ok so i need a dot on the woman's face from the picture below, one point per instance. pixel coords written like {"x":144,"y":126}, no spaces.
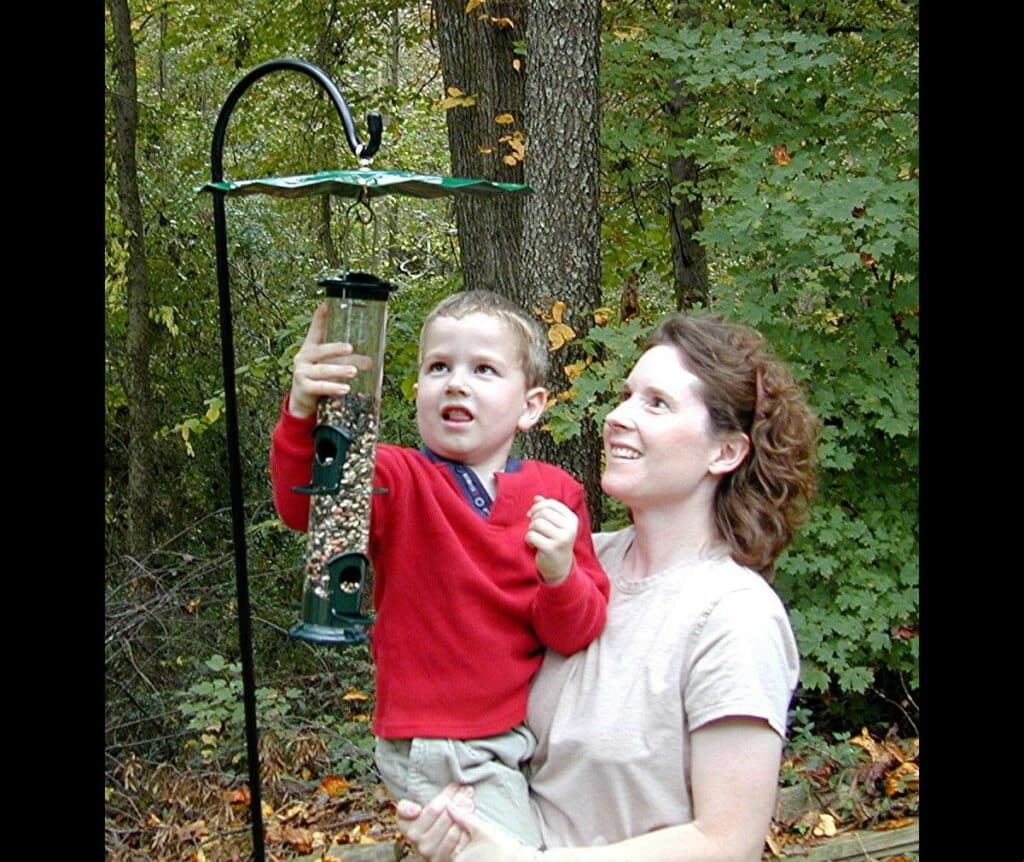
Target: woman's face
{"x":659,"y":441}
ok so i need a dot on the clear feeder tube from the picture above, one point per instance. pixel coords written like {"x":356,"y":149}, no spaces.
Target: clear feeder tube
{"x":337,"y":589}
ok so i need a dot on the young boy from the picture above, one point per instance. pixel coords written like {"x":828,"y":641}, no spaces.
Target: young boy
{"x":480,"y":561}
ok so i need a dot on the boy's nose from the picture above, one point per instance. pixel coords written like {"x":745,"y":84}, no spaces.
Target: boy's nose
{"x":456,"y":385}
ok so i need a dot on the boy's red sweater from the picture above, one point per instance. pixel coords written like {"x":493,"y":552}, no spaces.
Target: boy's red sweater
{"x":463,"y":616}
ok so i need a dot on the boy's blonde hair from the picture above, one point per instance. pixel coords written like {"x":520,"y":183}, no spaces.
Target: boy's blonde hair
{"x":532,"y":343}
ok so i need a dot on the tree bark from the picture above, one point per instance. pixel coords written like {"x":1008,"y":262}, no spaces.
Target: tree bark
{"x":124,"y":97}
{"x":685,"y":205}
{"x":477,"y":58}
{"x":561,"y":225}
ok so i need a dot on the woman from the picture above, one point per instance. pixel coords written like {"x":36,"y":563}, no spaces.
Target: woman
{"x":662,"y":740}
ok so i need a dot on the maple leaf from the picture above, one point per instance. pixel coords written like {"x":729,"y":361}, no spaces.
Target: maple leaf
{"x":826,"y":826}
{"x":333,"y":785}
{"x":903,"y":778}
{"x":504,"y":119}
{"x":503,"y":22}
{"x":781,"y":155}
{"x":510,"y":160}
{"x":893,"y":824}
{"x":454,"y":91}
{"x":557,"y":310}
{"x":603,"y":316}
{"x":240,"y":796}
{"x":472,"y":4}
{"x":485,"y":150}
{"x":865,"y":741}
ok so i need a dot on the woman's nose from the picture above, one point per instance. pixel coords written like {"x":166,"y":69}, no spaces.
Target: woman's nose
{"x":619,"y":416}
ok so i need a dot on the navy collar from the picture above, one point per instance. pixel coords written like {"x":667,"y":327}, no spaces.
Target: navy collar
{"x":469,"y":483}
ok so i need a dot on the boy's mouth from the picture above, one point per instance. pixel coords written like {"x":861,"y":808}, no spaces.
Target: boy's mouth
{"x":456,"y":414}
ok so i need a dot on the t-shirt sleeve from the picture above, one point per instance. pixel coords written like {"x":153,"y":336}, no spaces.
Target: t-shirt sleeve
{"x":744,"y":661}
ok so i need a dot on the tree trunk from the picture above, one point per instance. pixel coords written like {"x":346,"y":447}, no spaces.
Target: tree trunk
{"x":689,"y":260}
{"x":561,"y":225}
{"x":124,"y":95}
{"x":477,"y":58}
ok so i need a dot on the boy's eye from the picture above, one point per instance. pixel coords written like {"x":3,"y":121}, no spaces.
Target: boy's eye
{"x":437,"y":366}
{"x":485,"y":369}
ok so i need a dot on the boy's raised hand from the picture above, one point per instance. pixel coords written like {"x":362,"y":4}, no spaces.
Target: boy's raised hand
{"x":316,"y":368}
{"x":552,"y":532}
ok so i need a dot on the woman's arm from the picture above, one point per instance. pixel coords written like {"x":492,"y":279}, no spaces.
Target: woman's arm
{"x":735,"y":771}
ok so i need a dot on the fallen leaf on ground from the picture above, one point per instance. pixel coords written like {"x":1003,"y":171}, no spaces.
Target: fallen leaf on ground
{"x":333,"y":785}
{"x":894,"y":824}
{"x":826,"y":826}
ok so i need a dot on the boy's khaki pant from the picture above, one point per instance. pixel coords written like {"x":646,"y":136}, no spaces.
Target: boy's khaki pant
{"x":418,"y":769}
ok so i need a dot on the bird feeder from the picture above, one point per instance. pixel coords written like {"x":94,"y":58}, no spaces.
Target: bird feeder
{"x":344,"y":442}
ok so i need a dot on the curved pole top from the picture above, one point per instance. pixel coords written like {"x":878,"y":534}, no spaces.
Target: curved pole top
{"x":361,"y":151}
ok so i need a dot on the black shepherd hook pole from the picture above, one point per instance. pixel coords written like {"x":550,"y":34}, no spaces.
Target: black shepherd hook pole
{"x":363,"y":152}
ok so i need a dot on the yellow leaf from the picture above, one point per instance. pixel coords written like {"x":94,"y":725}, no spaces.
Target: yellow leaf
{"x":472,"y":4}
{"x":517,"y":64}
{"x":574,"y":370}
{"x":266,"y":808}
{"x":504,"y":119}
{"x":503,"y":22}
{"x":455,"y":102}
{"x":212,"y":413}
{"x":557,"y":310}
{"x":509,"y":160}
{"x":485,"y":150}
{"x":603,"y":316}
{"x":559,"y":334}
{"x":355,"y":694}
{"x":455,"y":91}
{"x":826,"y":826}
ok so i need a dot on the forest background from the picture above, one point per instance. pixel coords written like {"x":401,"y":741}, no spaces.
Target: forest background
{"x":755,"y":159}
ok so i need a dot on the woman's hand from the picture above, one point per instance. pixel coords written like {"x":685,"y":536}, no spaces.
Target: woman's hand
{"x":317,"y":368}
{"x":486,"y":842}
{"x":430,"y":828}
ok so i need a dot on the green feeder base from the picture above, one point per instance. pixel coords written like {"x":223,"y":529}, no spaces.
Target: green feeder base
{"x":357,"y":632}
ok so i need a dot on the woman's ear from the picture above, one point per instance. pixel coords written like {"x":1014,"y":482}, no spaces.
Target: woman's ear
{"x":536,"y":401}
{"x":732,"y":450}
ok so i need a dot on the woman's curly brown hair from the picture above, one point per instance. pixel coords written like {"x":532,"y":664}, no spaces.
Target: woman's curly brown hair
{"x":759,"y":505}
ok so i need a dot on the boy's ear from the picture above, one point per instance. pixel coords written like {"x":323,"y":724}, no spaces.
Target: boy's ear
{"x":536,"y":401}
{"x":732,"y":449}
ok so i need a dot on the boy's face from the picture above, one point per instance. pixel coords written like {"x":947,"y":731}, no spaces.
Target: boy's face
{"x":471,"y":395}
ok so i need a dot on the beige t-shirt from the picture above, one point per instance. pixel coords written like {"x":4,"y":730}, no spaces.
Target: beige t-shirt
{"x":699,"y":641}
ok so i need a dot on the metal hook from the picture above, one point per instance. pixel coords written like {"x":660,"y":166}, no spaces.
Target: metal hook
{"x":360,"y":208}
